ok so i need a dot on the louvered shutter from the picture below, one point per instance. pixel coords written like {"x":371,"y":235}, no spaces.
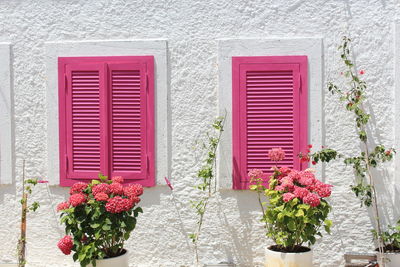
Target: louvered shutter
{"x":82,"y":130}
{"x":132,"y":120}
{"x":269,"y":110}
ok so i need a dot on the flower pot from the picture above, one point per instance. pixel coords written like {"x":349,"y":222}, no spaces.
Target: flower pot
{"x":120,"y":261}
{"x":222,"y":264}
{"x":392,"y":260}
{"x":282,"y":259}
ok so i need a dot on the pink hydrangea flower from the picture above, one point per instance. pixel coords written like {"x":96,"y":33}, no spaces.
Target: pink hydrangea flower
{"x":276,"y":154}
{"x":287,"y":182}
{"x":280,"y":188}
{"x":306,"y":178}
{"x":288,"y":196}
{"x":133,"y":190}
{"x":255,"y":174}
{"x":78,"y":188}
{"x":118,"y":204}
{"x":100,"y":188}
{"x":300,"y":192}
{"x":312,"y":199}
{"x":101,"y":196}
{"x":284,"y":171}
{"x":117,"y":179}
{"x":65,"y":244}
{"x":77,"y":199}
{"x":323,"y":190}
{"x":294,"y":175}
{"x":62,"y":206}
{"x":135,"y":200}
{"x":116,"y":188}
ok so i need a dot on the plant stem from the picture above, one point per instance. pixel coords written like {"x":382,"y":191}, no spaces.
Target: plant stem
{"x":22,"y":239}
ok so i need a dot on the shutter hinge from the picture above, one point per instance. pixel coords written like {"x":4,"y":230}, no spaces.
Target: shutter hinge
{"x":147,"y":82}
{"x":66,"y":162}
{"x":300,"y":87}
{"x":66,"y":83}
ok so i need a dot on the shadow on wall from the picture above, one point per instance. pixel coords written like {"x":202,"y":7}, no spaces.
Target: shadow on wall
{"x":240,"y":230}
{"x":383,"y":179}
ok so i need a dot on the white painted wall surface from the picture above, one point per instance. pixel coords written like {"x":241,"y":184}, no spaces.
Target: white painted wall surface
{"x":232,"y":230}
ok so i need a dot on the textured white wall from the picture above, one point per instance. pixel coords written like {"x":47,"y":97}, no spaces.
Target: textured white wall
{"x":232,"y":230}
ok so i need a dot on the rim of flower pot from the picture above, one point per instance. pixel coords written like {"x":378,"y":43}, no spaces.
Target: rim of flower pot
{"x":125,"y":252}
{"x":274,"y":250}
{"x":397,"y":251}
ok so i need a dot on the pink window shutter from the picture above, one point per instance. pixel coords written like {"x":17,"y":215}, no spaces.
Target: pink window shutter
{"x":131,"y":131}
{"x":82,"y":108}
{"x":269,"y":110}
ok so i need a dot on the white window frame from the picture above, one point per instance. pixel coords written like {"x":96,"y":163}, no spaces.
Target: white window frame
{"x":157,"y":48}
{"x":227,"y":48}
{"x":7,"y":158}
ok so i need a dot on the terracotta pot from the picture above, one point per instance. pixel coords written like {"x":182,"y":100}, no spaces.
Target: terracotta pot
{"x":120,"y":261}
{"x":281,"y":259}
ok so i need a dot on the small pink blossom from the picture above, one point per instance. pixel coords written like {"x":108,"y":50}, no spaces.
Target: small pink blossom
{"x":77,"y":199}
{"x":276,"y":154}
{"x":42,"y":181}
{"x":116,"y":188}
{"x":168,"y":183}
{"x":62,"y":206}
{"x":65,"y":244}
{"x":101,"y":196}
{"x":362,"y":72}
{"x":288,"y":196}
{"x":117,"y":179}
{"x":312,"y":199}
{"x":255,"y":174}
{"x":78,"y":188}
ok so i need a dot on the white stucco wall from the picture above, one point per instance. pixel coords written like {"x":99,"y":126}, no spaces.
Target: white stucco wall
{"x":192,"y":29}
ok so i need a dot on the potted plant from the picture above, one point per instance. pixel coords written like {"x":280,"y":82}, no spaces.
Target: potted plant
{"x":99,"y":217}
{"x":353,"y":94}
{"x":391,"y":239}
{"x":296,"y":211}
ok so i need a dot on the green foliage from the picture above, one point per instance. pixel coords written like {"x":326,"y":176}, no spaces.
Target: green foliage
{"x":391,"y":237}
{"x":206,"y":182}
{"x":293,"y":223}
{"x":96,"y":232}
{"x":354,"y":98}
{"x":324,"y":155}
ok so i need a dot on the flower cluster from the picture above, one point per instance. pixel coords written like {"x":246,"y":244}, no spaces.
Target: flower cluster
{"x":107,"y":194}
{"x":302,"y":185}
{"x":65,"y":244}
{"x":276,"y":154}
